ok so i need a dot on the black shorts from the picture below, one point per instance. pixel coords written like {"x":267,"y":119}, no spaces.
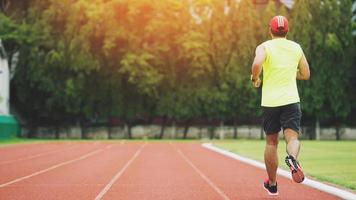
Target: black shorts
{"x":287,"y":116}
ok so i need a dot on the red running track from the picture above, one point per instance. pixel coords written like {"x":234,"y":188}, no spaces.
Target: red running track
{"x":131,"y":171}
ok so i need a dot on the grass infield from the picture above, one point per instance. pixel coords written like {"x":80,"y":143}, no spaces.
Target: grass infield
{"x":13,"y":141}
{"x":326,"y":161}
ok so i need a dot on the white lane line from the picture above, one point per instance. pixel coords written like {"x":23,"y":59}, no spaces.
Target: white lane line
{"x":51,"y":168}
{"x":119,"y":174}
{"x":36,"y":155}
{"x":202,"y":175}
{"x":311,"y":183}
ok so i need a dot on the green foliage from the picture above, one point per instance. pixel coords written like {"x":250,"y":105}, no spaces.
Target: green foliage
{"x":313,"y":158}
{"x":323,"y":28}
{"x":84,"y":60}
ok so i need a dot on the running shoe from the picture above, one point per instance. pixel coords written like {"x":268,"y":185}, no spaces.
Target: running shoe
{"x":296,"y":170}
{"x":271,"y":189}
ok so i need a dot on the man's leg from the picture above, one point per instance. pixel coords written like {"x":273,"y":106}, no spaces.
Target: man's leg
{"x":271,"y":156}
{"x":293,"y":147}
{"x":290,"y":120}
{"x":293,"y":144}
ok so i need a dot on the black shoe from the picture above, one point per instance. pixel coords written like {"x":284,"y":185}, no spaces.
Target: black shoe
{"x":271,"y":189}
{"x":296,"y":170}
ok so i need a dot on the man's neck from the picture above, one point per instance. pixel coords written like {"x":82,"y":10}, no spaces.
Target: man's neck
{"x":275,"y":37}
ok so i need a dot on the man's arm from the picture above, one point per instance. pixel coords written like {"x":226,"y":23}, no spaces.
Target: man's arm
{"x":257,"y":65}
{"x":303,"y":72}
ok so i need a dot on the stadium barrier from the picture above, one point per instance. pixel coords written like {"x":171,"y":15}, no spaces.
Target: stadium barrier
{"x":176,"y":132}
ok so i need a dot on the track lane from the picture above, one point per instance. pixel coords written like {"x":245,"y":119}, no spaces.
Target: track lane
{"x":242,"y":181}
{"x":159,"y":173}
{"x":50,"y":168}
{"x":83,"y":179}
{"x":15,"y":170}
{"x":119,"y":174}
{"x":32,"y":156}
{"x":14,"y":153}
{"x":203,"y":176}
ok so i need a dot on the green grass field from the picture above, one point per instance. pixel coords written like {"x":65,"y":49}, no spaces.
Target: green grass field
{"x":5,"y":142}
{"x":327,"y":161}
{"x":15,"y":141}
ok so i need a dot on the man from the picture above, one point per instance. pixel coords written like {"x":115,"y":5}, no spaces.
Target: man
{"x":283,"y":61}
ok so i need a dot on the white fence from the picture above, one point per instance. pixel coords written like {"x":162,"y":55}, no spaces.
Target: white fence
{"x":153,"y":131}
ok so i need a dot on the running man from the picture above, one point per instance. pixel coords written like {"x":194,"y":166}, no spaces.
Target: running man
{"x":283,"y":62}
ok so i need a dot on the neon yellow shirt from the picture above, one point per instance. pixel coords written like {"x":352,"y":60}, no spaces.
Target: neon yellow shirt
{"x":280,"y":72}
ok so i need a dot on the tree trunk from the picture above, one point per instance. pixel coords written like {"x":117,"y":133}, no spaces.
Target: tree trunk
{"x":235,"y":128}
{"x":221,"y":131}
{"x":109,"y":130}
{"x":32,"y":132}
{"x":174,"y":130}
{"x":129,"y":133}
{"x":83,"y":131}
{"x":337,"y":132}
{"x":317,"y":129}
{"x":212,"y":132}
{"x":163,"y":126}
{"x":249,"y":132}
{"x":129,"y":128}
{"x":5,"y":82}
{"x":110,"y":96}
{"x":186,"y":129}
{"x":200,"y":134}
{"x":311,"y":133}
{"x":67,"y":132}
{"x":56,"y":132}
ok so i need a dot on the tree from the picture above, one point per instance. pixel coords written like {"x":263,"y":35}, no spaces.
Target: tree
{"x":245,"y":100}
{"x":91,"y":61}
{"x":12,"y":35}
{"x":352,"y":117}
{"x":326,"y":40}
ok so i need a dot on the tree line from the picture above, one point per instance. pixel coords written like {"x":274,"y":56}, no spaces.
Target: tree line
{"x":103,"y":61}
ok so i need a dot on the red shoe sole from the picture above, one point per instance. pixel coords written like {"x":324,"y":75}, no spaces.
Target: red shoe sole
{"x":298,"y":175}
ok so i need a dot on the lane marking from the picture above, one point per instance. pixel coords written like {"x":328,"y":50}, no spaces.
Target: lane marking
{"x":202,"y":175}
{"x":36,"y":155}
{"x":308,"y":182}
{"x":51,"y":168}
{"x":119,"y":174}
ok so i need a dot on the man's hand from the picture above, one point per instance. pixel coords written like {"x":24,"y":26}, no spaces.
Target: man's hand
{"x":256,"y":82}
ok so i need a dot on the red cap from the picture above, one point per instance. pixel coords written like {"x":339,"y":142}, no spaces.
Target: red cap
{"x":279,"y":24}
